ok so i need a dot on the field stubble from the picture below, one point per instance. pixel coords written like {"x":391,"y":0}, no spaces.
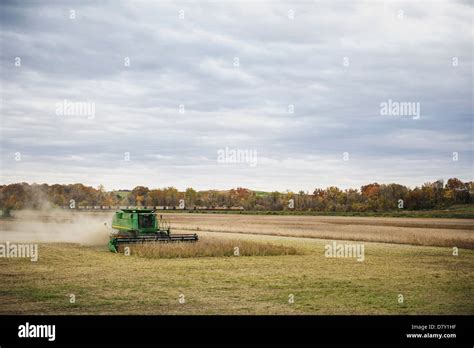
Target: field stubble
{"x":431,"y":279}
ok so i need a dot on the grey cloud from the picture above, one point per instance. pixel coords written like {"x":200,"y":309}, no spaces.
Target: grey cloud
{"x":190,"y":61}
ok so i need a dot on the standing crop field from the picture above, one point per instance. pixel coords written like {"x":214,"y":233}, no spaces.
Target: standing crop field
{"x":416,"y":231}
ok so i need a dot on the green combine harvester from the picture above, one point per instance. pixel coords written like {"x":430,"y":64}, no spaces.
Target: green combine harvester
{"x":133,"y":226}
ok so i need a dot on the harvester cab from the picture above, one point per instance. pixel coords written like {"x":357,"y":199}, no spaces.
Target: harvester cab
{"x":133,"y":226}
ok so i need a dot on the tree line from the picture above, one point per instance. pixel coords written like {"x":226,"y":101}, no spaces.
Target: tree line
{"x":371,"y":197}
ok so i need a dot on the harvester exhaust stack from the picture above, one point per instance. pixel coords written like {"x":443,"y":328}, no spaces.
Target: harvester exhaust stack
{"x":134,"y":226}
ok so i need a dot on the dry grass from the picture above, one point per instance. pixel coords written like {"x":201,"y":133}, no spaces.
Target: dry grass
{"x":211,"y":247}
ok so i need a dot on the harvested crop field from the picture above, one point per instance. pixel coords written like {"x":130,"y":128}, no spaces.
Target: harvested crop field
{"x":430,"y":279}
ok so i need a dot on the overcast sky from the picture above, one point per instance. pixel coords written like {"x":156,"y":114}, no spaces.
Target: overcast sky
{"x":297,"y":85}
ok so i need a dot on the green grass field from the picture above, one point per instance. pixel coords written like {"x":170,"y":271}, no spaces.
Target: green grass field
{"x":431,"y":280}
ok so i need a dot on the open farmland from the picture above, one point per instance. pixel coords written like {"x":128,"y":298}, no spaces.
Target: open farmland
{"x":427,"y":275}
{"x":416,"y":231}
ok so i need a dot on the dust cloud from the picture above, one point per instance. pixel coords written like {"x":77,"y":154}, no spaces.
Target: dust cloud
{"x":57,"y":226}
